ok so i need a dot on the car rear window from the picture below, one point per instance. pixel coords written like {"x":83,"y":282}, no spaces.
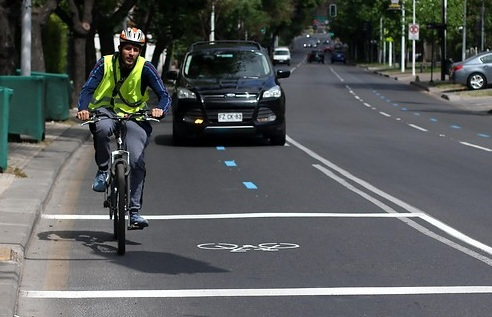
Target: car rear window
{"x":226,"y":64}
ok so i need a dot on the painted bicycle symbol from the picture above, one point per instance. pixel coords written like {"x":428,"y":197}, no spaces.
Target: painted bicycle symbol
{"x":267,"y":246}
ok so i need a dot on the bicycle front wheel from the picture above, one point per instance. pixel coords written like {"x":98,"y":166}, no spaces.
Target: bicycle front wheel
{"x":122,"y":203}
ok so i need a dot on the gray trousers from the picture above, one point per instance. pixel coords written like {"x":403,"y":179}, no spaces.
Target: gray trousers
{"x":136,"y":138}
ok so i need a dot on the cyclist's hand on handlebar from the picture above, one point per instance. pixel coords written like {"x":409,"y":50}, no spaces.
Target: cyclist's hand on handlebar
{"x":83,"y":115}
{"x":157,"y":113}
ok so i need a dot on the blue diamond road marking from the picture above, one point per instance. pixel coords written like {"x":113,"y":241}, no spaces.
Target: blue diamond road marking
{"x":250,"y":185}
{"x":230,"y":163}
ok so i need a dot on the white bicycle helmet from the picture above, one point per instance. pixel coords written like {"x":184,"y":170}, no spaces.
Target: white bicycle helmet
{"x":132,"y":35}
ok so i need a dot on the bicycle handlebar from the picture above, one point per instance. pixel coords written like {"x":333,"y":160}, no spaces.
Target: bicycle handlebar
{"x":95,"y":117}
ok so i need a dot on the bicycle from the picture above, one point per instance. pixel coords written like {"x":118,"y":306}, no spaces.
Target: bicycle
{"x":117,"y":194}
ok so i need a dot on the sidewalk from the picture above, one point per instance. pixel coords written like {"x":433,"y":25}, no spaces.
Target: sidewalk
{"x":458,"y":96}
{"x":24,"y":187}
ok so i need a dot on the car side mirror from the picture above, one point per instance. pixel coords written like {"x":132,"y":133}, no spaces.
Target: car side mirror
{"x":171,"y":75}
{"x":283,"y":73}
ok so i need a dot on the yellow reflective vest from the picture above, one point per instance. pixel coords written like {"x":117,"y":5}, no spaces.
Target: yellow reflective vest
{"x":130,"y":88}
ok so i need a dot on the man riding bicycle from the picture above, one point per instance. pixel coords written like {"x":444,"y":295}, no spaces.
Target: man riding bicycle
{"x":117,"y":85}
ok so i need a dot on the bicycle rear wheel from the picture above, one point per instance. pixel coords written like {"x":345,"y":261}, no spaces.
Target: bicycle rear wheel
{"x":121,"y":210}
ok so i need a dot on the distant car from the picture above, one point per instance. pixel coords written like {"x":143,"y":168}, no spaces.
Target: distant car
{"x":474,"y":72}
{"x":316,"y":56}
{"x":281,"y":55}
{"x":338,"y":56}
{"x":228,"y":87}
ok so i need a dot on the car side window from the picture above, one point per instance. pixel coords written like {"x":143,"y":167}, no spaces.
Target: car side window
{"x":487,"y":59}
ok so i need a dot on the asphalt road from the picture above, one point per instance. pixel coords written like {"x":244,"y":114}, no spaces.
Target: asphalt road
{"x":378,"y":205}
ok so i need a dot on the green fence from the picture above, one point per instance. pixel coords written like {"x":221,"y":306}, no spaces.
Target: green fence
{"x":58,"y":92}
{"x":5,"y":95}
{"x":27,"y":106}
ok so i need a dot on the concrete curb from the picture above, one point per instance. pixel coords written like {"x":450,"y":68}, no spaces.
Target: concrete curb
{"x":23,"y":202}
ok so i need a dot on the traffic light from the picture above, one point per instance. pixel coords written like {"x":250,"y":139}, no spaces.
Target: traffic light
{"x":333,"y":10}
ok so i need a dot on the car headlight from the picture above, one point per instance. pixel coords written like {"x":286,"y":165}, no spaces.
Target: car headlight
{"x":184,"y":93}
{"x":273,"y":92}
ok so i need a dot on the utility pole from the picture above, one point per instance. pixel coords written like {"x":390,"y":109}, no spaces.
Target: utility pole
{"x":482,"y":28}
{"x":413,"y":41}
{"x":443,"y":40}
{"x":403,"y":36}
{"x":463,"y":48}
{"x":26,"y":39}
{"x":212,"y":22}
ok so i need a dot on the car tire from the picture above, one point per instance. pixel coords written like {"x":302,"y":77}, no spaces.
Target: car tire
{"x":278,"y":138}
{"x":476,"y":81}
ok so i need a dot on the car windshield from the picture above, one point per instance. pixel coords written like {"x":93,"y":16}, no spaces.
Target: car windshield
{"x":281,"y":52}
{"x":226,"y":64}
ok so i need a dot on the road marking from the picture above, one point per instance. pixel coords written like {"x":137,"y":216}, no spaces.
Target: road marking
{"x":220,"y":148}
{"x":243,"y":216}
{"x":455,"y":127}
{"x":476,"y":146}
{"x":250,"y":185}
{"x":260,"y":292}
{"x":384,"y":114}
{"x":230,"y":163}
{"x":436,"y":223}
{"x":417,"y":127}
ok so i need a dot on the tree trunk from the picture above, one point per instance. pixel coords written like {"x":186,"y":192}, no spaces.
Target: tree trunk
{"x":10,"y":11}
{"x":37,"y":55}
{"x":78,"y":66}
{"x":40,"y":16}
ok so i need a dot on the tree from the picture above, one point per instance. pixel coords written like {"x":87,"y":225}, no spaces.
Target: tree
{"x":10,"y":11}
{"x":40,"y":15}
{"x":78,"y":16}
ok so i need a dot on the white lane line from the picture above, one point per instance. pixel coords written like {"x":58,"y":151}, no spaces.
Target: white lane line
{"x":436,"y":223}
{"x":367,"y":105}
{"x":261,"y":292}
{"x":336,"y":74}
{"x":385,"y":114}
{"x":243,"y":216}
{"x":476,"y":146}
{"x":417,"y":127}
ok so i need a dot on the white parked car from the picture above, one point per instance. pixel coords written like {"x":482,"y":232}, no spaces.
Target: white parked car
{"x":281,"y":55}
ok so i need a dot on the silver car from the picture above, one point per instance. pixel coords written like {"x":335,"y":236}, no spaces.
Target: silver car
{"x":474,"y":72}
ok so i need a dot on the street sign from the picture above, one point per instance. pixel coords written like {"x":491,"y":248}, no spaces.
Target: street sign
{"x":413,"y":32}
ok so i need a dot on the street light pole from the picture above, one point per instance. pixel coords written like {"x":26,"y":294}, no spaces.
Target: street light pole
{"x":463,"y":48}
{"x":444,"y":42}
{"x":413,"y":42}
{"x":403,"y":36}
{"x":26,"y":39}
{"x":212,"y":22}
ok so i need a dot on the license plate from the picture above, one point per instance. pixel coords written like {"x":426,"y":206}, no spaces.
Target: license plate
{"x":231,"y":117}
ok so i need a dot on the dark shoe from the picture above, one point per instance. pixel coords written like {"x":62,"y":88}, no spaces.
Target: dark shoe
{"x":137,"y":221}
{"x":100,"y":182}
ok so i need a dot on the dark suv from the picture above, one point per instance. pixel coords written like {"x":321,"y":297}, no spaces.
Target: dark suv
{"x":227,"y":87}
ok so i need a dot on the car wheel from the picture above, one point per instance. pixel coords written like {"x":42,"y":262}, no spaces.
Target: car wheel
{"x":476,"y":81}
{"x":278,"y":138}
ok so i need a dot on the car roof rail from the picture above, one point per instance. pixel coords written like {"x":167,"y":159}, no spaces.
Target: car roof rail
{"x":196,"y":45}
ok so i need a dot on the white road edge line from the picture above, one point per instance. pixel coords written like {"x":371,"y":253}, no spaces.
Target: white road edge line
{"x":476,"y":146}
{"x":417,"y":127}
{"x":265,"y":292}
